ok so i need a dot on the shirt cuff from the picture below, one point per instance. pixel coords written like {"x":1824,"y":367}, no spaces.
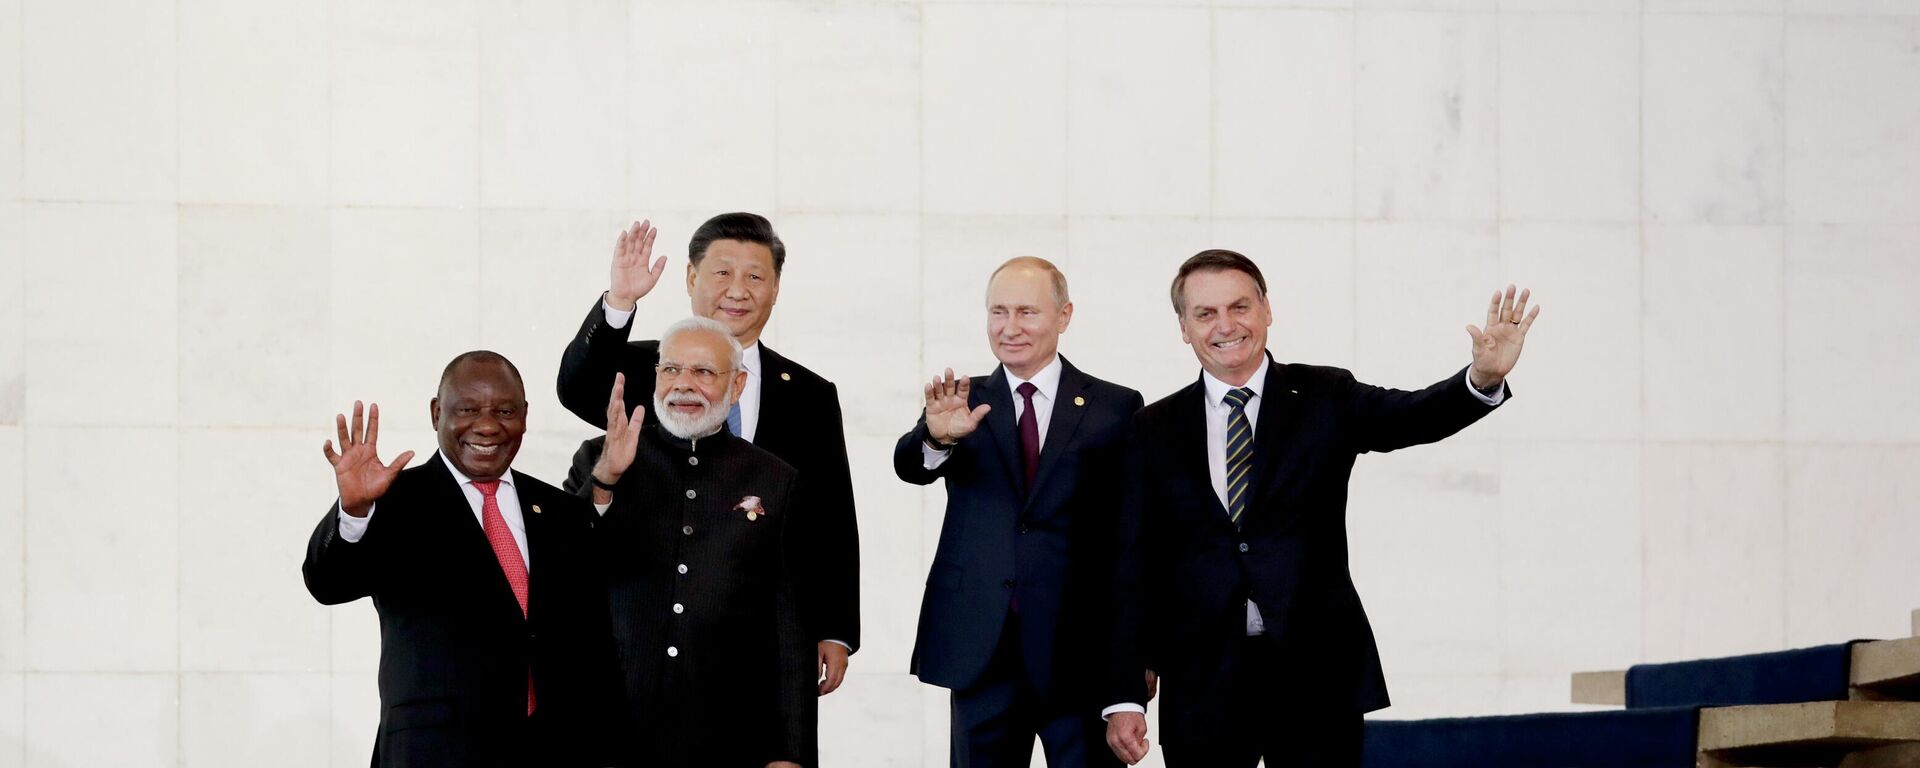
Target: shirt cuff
{"x":841,"y":644}
{"x":1493,"y":399}
{"x":932,"y":459}
{"x":615,"y":318}
{"x":602,"y":508}
{"x":353,"y":528}
{"x":1118,"y":708}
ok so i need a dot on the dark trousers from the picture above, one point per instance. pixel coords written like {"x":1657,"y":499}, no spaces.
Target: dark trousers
{"x":1269,"y":723}
{"x":996,"y":720}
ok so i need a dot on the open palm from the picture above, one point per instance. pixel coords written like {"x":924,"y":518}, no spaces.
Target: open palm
{"x":357,"y":468}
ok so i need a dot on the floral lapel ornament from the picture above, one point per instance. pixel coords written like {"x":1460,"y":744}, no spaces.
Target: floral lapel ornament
{"x":750,"y":505}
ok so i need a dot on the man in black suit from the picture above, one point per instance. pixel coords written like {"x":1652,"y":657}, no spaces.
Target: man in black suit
{"x":734,"y":262}
{"x":494,"y":644}
{"x":697,"y":531}
{"x":1232,"y":577}
{"x":1016,"y":602}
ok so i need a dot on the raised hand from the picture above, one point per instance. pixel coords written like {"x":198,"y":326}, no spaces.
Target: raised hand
{"x":1497,"y":349}
{"x":623,"y":434}
{"x":632,"y":274}
{"x":948,"y":419}
{"x":357,"y":469}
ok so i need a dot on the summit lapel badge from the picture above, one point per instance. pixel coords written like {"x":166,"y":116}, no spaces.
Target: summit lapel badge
{"x":1077,"y":400}
{"x":784,"y":376}
{"x":536,"y":509}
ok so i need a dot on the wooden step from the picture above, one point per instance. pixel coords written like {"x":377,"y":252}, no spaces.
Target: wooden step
{"x":1916,"y":623}
{"x":1886,"y":670}
{"x":1811,"y":734}
{"x":1606,"y":689}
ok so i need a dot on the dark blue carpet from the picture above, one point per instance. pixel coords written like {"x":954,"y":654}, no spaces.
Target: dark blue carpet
{"x":1780,"y":677}
{"x":1638,"y":738}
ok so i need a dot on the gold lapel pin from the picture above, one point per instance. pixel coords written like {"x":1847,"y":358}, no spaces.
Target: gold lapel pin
{"x":786,"y":377}
{"x":1077,"y":400}
{"x":536,"y":509}
{"x":1295,"y":391}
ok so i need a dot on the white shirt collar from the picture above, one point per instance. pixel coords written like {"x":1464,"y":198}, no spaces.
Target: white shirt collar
{"x":461,"y":478}
{"x":1047,"y":380}
{"x":750,"y":358}
{"x":1217,"y":390}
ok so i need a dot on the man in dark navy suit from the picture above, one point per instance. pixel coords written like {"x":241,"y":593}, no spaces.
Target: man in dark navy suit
{"x":1016,"y":606}
{"x":1232,"y":575}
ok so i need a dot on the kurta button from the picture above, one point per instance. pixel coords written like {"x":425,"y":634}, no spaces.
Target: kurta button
{"x":683,"y":567}
{"x":672,"y":651}
{"x":1008,"y":583}
{"x":693,"y":461}
{"x":690,"y":493}
{"x":687,"y":529}
{"x":1023,"y":528}
{"x":678,"y":608}
{"x":1243,"y":546}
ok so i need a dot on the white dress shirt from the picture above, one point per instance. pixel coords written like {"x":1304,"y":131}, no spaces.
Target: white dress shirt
{"x":1218,"y":412}
{"x":353,"y":528}
{"x":749,"y":361}
{"x":1046,"y":383}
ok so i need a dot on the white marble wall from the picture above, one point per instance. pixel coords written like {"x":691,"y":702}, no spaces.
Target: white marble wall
{"x":221,"y":221}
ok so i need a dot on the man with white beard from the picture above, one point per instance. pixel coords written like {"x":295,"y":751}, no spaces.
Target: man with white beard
{"x":717,"y":665}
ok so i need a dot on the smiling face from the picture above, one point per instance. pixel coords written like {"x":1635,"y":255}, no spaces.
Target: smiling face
{"x":736,"y":284}
{"x":480,"y":416}
{"x":694,"y":384}
{"x":1225,"y":321}
{"x":1025,"y":319}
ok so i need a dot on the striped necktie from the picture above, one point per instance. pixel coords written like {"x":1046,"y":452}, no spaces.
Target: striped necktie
{"x":1239,"y":453}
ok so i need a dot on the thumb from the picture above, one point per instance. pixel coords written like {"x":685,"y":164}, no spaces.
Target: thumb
{"x":980,"y":413}
{"x":639,"y":411}
{"x":1474,"y":331}
{"x":400,"y":461}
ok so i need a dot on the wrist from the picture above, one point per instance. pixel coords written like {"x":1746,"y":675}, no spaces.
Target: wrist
{"x":621,"y":303}
{"x":1487,"y":385}
{"x":938,"y":444}
{"x":604,"y":479}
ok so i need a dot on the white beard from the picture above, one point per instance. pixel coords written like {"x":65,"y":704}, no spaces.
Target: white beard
{"x":709,"y":421}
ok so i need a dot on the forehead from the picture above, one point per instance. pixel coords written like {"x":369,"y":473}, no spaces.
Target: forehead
{"x":739,"y":254}
{"x":1219,"y":288}
{"x":1021,"y":285}
{"x":480,"y":380}
{"x":696,"y":348}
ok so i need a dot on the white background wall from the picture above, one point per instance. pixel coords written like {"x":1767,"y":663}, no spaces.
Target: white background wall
{"x":221,"y":221}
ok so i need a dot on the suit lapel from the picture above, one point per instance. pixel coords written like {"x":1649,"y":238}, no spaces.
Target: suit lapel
{"x":470,"y":539}
{"x":534,"y":523}
{"x":1189,"y":437}
{"x":1001,"y":429}
{"x":771,"y":428}
{"x":1271,"y":437}
{"x":1068,"y":408}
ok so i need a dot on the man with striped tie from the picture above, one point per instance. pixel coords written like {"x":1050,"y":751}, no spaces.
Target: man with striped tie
{"x":1232,"y":577}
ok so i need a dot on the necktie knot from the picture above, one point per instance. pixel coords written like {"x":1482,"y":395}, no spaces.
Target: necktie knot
{"x":1026,"y":390}
{"x":1239,"y":398}
{"x":486,"y":487}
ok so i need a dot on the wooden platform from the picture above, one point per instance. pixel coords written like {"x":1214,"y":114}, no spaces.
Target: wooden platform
{"x":1822,"y":733}
{"x":1882,"y":670}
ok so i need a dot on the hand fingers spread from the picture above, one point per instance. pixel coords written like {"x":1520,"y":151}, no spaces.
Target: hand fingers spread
{"x":1493,"y":308}
{"x":359,"y":422}
{"x":1528,"y":323}
{"x":373,"y":424}
{"x":340,"y":425}
{"x":327,"y":448}
{"x":1520,"y":306}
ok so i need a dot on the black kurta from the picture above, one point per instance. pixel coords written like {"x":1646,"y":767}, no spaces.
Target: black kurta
{"x":718,"y":667}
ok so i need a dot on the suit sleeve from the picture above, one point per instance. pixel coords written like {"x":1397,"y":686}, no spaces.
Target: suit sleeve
{"x":580,"y":476}
{"x":1389,"y":419}
{"x":336,"y":570}
{"x":834,"y":539}
{"x":909,"y":463}
{"x":799,"y":691}
{"x":588,"y":364}
{"x":1134,"y":576}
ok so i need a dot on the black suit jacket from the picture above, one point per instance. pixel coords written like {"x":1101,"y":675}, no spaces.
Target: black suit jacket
{"x":717,"y":665}
{"x":1049,"y":546}
{"x":1185,"y":571}
{"x":454,"y":648}
{"x":799,"y":422}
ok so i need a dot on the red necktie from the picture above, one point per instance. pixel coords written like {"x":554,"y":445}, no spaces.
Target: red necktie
{"x":1029,"y":433}
{"x":508,"y":553}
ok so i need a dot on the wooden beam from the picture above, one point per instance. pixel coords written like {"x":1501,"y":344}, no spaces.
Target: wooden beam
{"x":1850,"y":725}
{"x":1886,"y":669}
{"x":1607,"y":689}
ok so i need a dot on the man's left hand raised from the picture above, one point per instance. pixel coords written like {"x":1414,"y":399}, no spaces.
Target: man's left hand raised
{"x":1497,"y":349}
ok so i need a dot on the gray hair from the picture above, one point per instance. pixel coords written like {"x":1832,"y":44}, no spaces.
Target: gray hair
{"x":710,"y":325}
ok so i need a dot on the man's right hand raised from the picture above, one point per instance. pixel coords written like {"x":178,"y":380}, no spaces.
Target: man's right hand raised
{"x":948,"y":419}
{"x":623,"y":436}
{"x":357,"y":469}
{"x":632,"y":274}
